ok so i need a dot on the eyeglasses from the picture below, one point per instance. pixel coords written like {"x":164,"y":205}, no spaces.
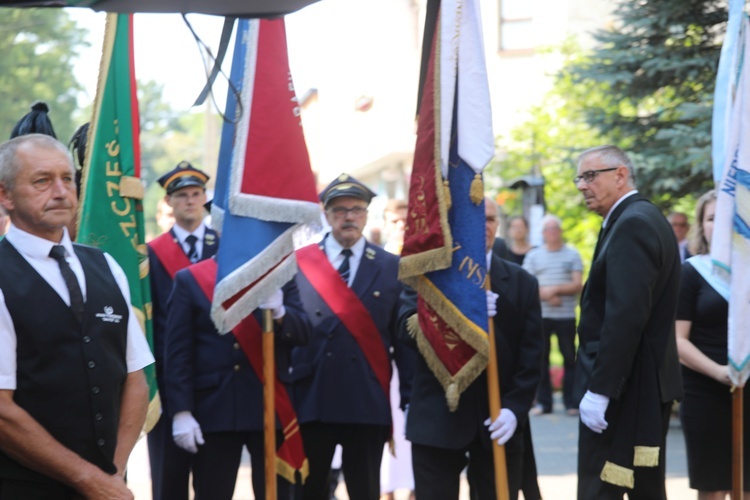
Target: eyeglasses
{"x":590,"y":175}
{"x":343,"y":211}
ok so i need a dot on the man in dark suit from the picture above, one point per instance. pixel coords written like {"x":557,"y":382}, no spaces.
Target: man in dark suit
{"x":189,"y":241}
{"x":214,"y":393}
{"x":350,"y":290}
{"x":627,"y":371}
{"x":443,"y":441}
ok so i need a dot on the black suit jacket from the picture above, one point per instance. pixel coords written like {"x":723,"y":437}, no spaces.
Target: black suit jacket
{"x":518,"y":335}
{"x":628,"y":304}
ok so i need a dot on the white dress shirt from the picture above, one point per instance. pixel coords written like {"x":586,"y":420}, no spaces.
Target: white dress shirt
{"x":182,"y":235}
{"x":333,"y":252}
{"x":36,"y":252}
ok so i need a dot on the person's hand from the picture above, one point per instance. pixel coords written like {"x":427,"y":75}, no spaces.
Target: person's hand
{"x":491,"y":303}
{"x":555,"y":301}
{"x":103,"y":485}
{"x":503,"y":427}
{"x":721,"y":374}
{"x":275,"y":303}
{"x":186,"y":431}
{"x":592,"y":409}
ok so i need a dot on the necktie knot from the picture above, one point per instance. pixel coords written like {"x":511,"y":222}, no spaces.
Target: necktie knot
{"x":57,"y":252}
{"x":193,"y":250}
{"x":71,"y":282}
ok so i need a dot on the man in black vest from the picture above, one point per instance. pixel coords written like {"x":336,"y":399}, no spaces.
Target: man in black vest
{"x":73,"y":396}
{"x":188,"y":242}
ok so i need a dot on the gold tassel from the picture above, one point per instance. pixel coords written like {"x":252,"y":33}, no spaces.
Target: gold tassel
{"x":617,"y":475}
{"x":646,"y":456}
{"x":447,"y":191}
{"x":452,"y":395}
{"x":476,"y":191}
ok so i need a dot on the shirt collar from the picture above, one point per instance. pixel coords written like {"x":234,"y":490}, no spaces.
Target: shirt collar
{"x":334,"y":248}
{"x":35,"y":247}
{"x":489,"y":259}
{"x":182,"y":233}
{"x":617,"y":203}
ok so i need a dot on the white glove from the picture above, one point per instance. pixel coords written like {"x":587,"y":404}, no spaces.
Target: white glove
{"x":503,"y":427}
{"x":276,"y":304}
{"x":592,"y":409}
{"x":186,"y":432}
{"x":491,"y":303}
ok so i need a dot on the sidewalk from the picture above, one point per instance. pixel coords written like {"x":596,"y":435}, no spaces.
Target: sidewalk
{"x":555,"y":444}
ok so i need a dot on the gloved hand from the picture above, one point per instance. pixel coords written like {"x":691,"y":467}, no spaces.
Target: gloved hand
{"x":275,"y":303}
{"x":491,"y":303}
{"x":503,"y":427}
{"x":186,"y":431}
{"x":592,"y":409}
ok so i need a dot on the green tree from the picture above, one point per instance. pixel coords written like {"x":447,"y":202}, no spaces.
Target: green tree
{"x":39,"y":48}
{"x":657,"y":67}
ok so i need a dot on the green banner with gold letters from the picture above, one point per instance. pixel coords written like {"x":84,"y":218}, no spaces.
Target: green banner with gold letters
{"x":111,"y":208}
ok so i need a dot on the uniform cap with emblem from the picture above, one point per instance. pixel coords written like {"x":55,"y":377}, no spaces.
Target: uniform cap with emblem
{"x":183,"y":175}
{"x":346,"y":185}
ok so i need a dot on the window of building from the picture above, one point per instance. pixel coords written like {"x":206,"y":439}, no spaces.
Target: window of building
{"x":516,"y":25}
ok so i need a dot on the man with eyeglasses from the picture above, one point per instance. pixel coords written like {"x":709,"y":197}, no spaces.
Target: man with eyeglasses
{"x":627,"y":371}
{"x":189,"y":241}
{"x":350,"y":291}
{"x":680,"y":226}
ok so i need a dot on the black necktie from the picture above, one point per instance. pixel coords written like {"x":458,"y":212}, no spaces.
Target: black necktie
{"x":192,"y":251}
{"x":76,"y":297}
{"x":344,"y":269}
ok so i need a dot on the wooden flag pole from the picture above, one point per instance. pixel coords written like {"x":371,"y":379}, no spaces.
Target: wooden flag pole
{"x":493,"y":388}
{"x":737,"y":440}
{"x":269,"y":410}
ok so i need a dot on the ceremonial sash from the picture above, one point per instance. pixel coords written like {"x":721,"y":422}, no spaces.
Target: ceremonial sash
{"x":290,"y":456}
{"x":704,"y":266}
{"x":345,"y":304}
{"x":169,"y":253}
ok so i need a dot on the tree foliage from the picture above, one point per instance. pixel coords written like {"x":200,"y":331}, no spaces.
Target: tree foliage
{"x":654,"y":71}
{"x":39,"y":48}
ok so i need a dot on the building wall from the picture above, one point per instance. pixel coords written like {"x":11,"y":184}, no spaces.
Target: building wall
{"x":351,"y":51}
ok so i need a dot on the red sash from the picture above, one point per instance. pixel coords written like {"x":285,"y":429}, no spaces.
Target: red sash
{"x":170,"y":253}
{"x":345,"y":304}
{"x":290,"y":456}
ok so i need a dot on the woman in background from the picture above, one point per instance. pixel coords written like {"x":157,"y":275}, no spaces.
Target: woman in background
{"x":518,"y":239}
{"x":701,"y":328}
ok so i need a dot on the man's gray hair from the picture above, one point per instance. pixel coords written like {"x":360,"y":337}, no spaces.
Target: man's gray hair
{"x":9,"y":162}
{"x":611,"y":157}
{"x":551,"y":218}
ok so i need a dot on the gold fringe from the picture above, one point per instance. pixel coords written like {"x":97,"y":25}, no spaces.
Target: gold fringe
{"x":455,"y":384}
{"x":617,"y":475}
{"x":476,"y":190}
{"x":286,"y":471}
{"x":646,"y":456}
{"x":392,"y":447}
{"x":131,"y":187}
{"x":447,"y":192}
{"x":424,"y":262}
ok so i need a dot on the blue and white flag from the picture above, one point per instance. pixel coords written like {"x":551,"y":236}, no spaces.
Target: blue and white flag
{"x":730,"y":244}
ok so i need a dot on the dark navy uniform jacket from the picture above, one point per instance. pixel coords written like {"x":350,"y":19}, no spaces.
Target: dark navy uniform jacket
{"x":208,"y":373}
{"x":333,"y":381}
{"x":161,"y":286}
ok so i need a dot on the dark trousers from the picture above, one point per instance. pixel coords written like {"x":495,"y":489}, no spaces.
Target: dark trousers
{"x":437,"y":471}
{"x":12,"y":489}
{"x":565,"y":329}
{"x":362,"y":451}
{"x":170,"y":464}
{"x":593,"y":451}
{"x":216,"y":464}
